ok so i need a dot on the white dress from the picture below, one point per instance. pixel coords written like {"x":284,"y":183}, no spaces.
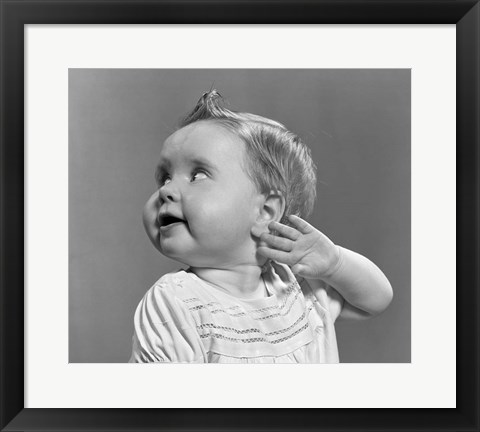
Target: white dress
{"x":183,"y":319}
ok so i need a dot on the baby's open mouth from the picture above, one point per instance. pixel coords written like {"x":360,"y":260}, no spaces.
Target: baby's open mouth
{"x":167,"y":220}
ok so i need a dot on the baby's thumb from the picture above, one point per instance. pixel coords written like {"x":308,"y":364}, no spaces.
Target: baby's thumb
{"x":298,"y":269}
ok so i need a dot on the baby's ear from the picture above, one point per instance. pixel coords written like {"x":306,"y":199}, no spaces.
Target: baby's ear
{"x":272,"y":210}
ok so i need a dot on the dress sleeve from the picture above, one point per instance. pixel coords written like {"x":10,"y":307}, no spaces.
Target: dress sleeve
{"x":164,"y":330}
{"x":328,"y":298}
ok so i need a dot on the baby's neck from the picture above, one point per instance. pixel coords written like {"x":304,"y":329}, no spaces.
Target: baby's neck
{"x":243,"y":281}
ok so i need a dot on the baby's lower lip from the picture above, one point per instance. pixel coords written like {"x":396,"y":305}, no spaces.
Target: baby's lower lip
{"x":168,"y":227}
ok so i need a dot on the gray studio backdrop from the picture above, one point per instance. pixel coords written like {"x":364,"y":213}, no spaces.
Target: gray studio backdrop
{"x":357,"y":123}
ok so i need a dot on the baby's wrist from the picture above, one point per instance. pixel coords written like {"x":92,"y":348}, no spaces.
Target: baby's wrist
{"x":336,"y":262}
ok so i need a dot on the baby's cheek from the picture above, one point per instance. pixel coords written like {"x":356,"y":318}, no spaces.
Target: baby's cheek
{"x":234,"y":225}
{"x":205,"y":220}
{"x":150,"y":210}
{"x":149,"y":216}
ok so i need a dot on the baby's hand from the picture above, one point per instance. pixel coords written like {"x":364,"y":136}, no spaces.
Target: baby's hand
{"x":308,"y":252}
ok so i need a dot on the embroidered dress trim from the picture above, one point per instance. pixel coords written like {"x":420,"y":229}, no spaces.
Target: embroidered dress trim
{"x":271,"y":326}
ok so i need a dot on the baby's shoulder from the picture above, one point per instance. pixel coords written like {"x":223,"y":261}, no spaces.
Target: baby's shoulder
{"x":165,"y":301}
{"x":176,"y":285}
{"x":168,"y":282}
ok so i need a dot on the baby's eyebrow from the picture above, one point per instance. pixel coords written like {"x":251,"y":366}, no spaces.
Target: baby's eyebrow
{"x":162,"y":167}
{"x":203,"y":162}
{"x":163,"y":164}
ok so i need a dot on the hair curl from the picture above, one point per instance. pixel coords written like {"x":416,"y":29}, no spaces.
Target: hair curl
{"x":276,"y":158}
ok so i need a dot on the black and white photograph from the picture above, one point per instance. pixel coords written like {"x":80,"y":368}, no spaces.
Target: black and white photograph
{"x":239,"y":215}
{"x":287,"y":193}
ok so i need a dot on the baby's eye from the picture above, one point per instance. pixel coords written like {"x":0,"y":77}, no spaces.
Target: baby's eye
{"x":163,"y":180}
{"x":199,"y":175}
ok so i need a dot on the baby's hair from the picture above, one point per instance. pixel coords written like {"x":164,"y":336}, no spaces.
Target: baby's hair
{"x":277,"y":160}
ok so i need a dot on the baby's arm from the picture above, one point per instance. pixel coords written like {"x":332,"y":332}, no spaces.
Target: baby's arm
{"x":312,"y":255}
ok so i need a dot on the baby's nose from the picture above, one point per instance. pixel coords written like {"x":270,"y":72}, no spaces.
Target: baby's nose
{"x":168,"y":192}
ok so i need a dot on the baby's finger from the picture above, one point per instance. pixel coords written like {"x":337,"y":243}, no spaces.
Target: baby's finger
{"x":303,"y":226}
{"x":256,"y":231}
{"x":277,"y":242}
{"x":276,"y":255}
{"x":284,"y":230}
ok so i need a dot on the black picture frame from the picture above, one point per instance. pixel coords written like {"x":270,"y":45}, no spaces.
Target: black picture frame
{"x":465,"y":14}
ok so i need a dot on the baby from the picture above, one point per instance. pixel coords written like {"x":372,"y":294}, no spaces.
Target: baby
{"x":261,"y":284}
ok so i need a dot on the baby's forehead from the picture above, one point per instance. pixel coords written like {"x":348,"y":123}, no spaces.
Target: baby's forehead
{"x":204,"y":144}
{"x":199,"y":129}
{"x":203,"y":136}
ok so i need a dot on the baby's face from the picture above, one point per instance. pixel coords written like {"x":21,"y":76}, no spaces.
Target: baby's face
{"x":206,"y":204}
